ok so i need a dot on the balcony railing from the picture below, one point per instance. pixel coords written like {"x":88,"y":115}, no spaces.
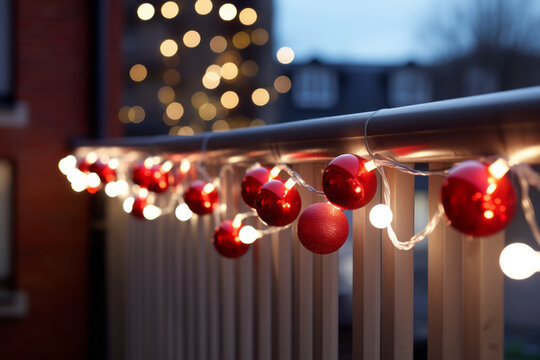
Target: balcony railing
{"x":171,"y":296}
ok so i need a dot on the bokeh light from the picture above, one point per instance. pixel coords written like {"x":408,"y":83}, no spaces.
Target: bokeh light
{"x":171,"y":77}
{"x":282,"y":84}
{"x":168,"y":48}
{"x":249,"y":68}
{"x":166,"y":95}
{"x":229,"y":71}
{"x":191,"y":39}
{"x":227,"y":12}
{"x":175,"y":110}
{"x":207,"y":111}
{"x":138,"y":73}
{"x":220,"y":125}
{"x":229,"y":99}
{"x":241,"y":40}
{"x":285,"y":55}
{"x":218,"y":44}
{"x":260,"y":97}
{"x":248,"y":16}
{"x":210,"y":80}
{"x":259,"y":37}
{"x":198,"y":99}
{"x":136,"y":114}
{"x":257,"y":122}
{"x":123,"y":114}
{"x":145,"y":11}
{"x":169,"y":10}
{"x":203,"y":7}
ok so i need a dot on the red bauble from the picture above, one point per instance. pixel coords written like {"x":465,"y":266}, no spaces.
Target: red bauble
{"x":227,"y":242}
{"x":252,"y":183}
{"x":322,"y":228}
{"x":153,"y":178}
{"x":276,"y":205}
{"x":138,"y":207}
{"x":347,"y":183}
{"x":105,"y":173}
{"x":83,"y":165}
{"x":201,"y":197}
{"x":475,"y":202}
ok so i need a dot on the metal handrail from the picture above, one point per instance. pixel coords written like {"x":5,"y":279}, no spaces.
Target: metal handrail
{"x":504,"y":123}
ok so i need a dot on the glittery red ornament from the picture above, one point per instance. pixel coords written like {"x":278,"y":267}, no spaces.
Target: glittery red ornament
{"x":104,"y":171}
{"x":138,"y":207}
{"x":153,"y":178}
{"x":322,"y":228}
{"x":276,"y":205}
{"x":475,"y":202}
{"x":201,"y":197}
{"x":83,"y":165}
{"x":227,"y":242}
{"x":252,"y":183}
{"x":347,"y":183}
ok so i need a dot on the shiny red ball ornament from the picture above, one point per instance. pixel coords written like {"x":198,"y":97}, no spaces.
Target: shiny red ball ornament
{"x":476,"y":202}
{"x":83,"y":165}
{"x":227,"y":242}
{"x":201,"y":197}
{"x":104,"y":171}
{"x":153,"y":178}
{"x":138,"y":207}
{"x":141,"y":175}
{"x":276,"y":205}
{"x":322,"y":228}
{"x":252,"y":183}
{"x":347,"y":183}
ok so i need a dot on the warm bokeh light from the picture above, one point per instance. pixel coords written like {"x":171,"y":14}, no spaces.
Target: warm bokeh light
{"x":249,"y":68}
{"x":168,"y":48}
{"x":215,"y":69}
{"x":169,"y":10}
{"x":123,"y":114}
{"x":166,"y":95}
{"x":203,"y":7}
{"x":380,"y":216}
{"x":210,"y":80}
{"x":248,"y":234}
{"x":229,"y":71}
{"x":136,"y":114}
{"x":260,"y":97}
{"x":227,"y":12}
{"x":282,"y":84}
{"x":191,"y":39}
{"x":128,"y":204}
{"x":259,"y":36}
{"x":66,"y":164}
{"x":519,"y":261}
{"x":257,"y":122}
{"x":175,"y":111}
{"x":229,"y":99}
{"x":186,"y":131}
{"x":145,"y":11}
{"x":241,"y":40}
{"x":220,"y":125}
{"x":171,"y":77}
{"x":198,"y":99}
{"x":151,"y":212}
{"x":207,"y":111}
{"x":285,"y":55}
{"x":138,"y":72}
{"x":248,"y":16}
{"x":183,"y":213}
{"x":218,"y":44}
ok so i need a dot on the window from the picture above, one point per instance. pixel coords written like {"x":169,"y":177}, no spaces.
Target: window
{"x":6,"y":80}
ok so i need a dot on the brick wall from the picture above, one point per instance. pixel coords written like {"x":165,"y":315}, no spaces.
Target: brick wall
{"x":51,"y":221}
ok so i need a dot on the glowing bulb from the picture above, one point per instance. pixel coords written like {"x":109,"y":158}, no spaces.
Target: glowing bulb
{"x":145,"y":11}
{"x":227,"y":12}
{"x":112,"y":189}
{"x":169,"y":9}
{"x":151,"y":212}
{"x":289,"y":184}
{"x":260,"y":97}
{"x":191,"y":39}
{"x":76,"y":176}
{"x":185,"y":165}
{"x":183,"y":213}
{"x":248,"y":16}
{"x":93,"y":180}
{"x":113,"y":163}
{"x":143,"y":192}
{"x":167,"y":166}
{"x":128,"y":204}
{"x":91,"y":157}
{"x":203,"y":7}
{"x":518,"y":261}
{"x":78,"y":186}
{"x":381,"y":216}
{"x":248,"y":234}
{"x":370,"y":165}
{"x":123,"y":187}
{"x":285,"y":55}
{"x":168,"y":47}
{"x":499,"y":168}
{"x":67,"y":163}
{"x":229,"y":99}
{"x":274,"y":172}
{"x":237,"y":222}
{"x":208,"y":188}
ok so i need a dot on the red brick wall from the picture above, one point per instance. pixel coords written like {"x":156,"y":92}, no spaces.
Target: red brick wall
{"x":51,"y":221}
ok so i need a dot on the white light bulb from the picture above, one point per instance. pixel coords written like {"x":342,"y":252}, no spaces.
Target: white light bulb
{"x":128,"y":204}
{"x":93,"y":180}
{"x":91,"y":157}
{"x":67,"y":163}
{"x":151,"y":212}
{"x":123,"y":187}
{"x":185,"y":165}
{"x":381,"y":216}
{"x":78,"y":186}
{"x":183,"y":213}
{"x":112,"y":189}
{"x":113,"y":163}
{"x":518,"y":261}
{"x":248,"y":234}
